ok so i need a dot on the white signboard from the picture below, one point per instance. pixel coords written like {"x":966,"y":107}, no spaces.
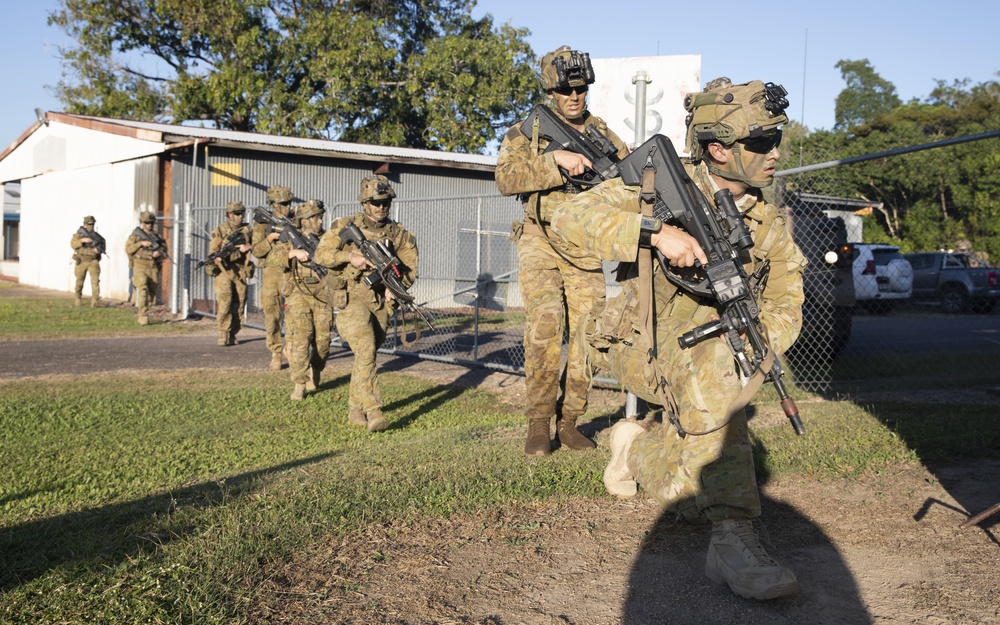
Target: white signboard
{"x":667,"y":80}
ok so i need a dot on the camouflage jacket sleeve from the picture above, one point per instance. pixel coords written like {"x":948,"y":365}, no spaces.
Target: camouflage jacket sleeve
{"x":261,"y":247}
{"x":218,"y":238}
{"x":405,"y":246}
{"x":519,"y":170}
{"x":330,"y":252}
{"x":75,"y":241}
{"x":603,"y":220}
{"x":781,"y":302}
{"x":133,"y":244}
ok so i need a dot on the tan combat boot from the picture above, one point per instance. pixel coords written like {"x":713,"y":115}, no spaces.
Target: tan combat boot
{"x":143,"y":320}
{"x":538,"y":443}
{"x":77,"y":302}
{"x":298,"y":393}
{"x":233,"y":340}
{"x":357,"y":417}
{"x":571,"y":437}
{"x":377,"y":421}
{"x":737,"y":559}
{"x":617,"y":477}
{"x":95,"y":303}
{"x":223,"y":339}
{"x":275,"y":363}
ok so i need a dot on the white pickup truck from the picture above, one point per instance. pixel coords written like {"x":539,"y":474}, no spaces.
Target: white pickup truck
{"x":959,"y":282}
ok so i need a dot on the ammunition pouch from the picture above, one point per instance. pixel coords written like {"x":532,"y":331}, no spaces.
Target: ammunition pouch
{"x":77,"y":259}
{"x":339,"y":299}
{"x":212,"y":270}
{"x":610,"y":321}
{"x":516,"y":230}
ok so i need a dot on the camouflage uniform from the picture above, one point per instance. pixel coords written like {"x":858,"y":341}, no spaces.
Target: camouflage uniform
{"x":272,"y":276}
{"x":230,"y":280}
{"x":363,"y":312}
{"x":88,"y":262}
{"x":308,"y":310}
{"x":558,"y":282}
{"x":709,"y":476}
{"x":145,"y":267}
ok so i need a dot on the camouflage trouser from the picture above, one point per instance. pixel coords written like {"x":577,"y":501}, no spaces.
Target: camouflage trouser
{"x":270,"y":302}
{"x":231,"y":296}
{"x":709,"y":477}
{"x":553,"y":289}
{"x":364,"y":330}
{"x":146,"y":280}
{"x":308,"y":322}
{"x":93,"y":267}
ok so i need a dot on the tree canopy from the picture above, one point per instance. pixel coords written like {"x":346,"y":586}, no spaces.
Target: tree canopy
{"x":414,"y":73}
{"x":930,"y":199}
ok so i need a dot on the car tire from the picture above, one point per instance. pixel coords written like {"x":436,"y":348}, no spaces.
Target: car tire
{"x":954,"y":299}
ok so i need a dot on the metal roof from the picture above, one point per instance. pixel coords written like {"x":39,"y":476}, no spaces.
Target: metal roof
{"x":174,"y":135}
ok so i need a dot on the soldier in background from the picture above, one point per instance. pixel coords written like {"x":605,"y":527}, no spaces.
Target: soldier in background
{"x":146,"y":250}
{"x":231,"y":273}
{"x":558,"y":283}
{"x":88,"y":247}
{"x":308,"y":311}
{"x":708,"y":475}
{"x":280,"y":199}
{"x":364,"y":311}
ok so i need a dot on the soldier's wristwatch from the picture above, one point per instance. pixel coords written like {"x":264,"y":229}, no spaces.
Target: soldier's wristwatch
{"x":647,"y":228}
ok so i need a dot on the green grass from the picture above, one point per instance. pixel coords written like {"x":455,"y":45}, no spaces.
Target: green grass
{"x":26,"y":318}
{"x":174,"y":497}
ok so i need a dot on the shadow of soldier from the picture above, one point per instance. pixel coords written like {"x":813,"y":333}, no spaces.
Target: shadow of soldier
{"x":667,"y":582}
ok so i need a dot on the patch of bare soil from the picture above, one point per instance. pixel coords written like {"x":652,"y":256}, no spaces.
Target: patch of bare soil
{"x":887,"y":549}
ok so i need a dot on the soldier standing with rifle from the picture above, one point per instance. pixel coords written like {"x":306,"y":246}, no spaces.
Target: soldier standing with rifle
{"x":364,"y":310}
{"x":264,"y":239}
{"x":230,"y":272}
{"x":558,"y":283}
{"x":699,"y":462}
{"x":88,"y":247}
{"x":146,"y":250}
{"x":308,"y":313}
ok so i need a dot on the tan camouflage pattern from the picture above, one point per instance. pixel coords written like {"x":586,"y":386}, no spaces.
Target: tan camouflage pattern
{"x":363,"y":313}
{"x":87,"y":264}
{"x":369,"y":189}
{"x":558,"y":282}
{"x":145,"y":271}
{"x":548,"y":75}
{"x":708,"y":477}
{"x":230,"y":280}
{"x":727,"y":112}
{"x":272,"y":274}
{"x":308,"y":318}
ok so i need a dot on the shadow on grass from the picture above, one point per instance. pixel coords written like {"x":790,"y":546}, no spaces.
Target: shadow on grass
{"x":108,"y":535}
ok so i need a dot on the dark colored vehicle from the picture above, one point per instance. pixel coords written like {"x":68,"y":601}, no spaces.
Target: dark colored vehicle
{"x":959,"y":282}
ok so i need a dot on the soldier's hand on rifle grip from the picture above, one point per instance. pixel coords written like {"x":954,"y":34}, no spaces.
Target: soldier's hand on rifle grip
{"x":274,"y":236}
{"x":678,"y":247}
{"x":572,"y":163}
{"x":358,"y":261}
{"x":301,"y":255}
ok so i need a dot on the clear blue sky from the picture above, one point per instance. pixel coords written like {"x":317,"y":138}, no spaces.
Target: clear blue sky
{"x":909,"y":43}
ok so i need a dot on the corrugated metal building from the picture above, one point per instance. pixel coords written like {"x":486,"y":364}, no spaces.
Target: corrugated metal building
{"x":70,"y":166}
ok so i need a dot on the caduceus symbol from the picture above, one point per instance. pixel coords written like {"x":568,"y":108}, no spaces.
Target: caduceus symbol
{"x":651,"y":114}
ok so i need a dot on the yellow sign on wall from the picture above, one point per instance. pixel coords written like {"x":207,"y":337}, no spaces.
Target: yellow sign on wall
{"x":226,"y":175}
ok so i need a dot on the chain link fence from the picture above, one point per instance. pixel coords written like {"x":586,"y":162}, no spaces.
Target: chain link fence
{"x":863,"y":328}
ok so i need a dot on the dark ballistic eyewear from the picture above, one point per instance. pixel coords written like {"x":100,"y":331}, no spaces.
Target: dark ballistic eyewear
{"x":379,"y":203}
{"x":568,"y":91}
{"x":764,"y":143}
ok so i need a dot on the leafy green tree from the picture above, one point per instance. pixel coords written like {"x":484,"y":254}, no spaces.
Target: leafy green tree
{"x":866,"y":97}
{"x":415,"y":73}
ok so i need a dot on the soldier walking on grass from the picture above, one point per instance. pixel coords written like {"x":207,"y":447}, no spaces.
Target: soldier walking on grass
{"x":364,"y":311}
{"x":88,"y":247}
{"x":146,"y":251}
{"x":558,"y":283}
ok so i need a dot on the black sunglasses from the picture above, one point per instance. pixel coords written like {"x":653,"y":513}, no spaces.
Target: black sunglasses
{"x":379,"y":203}
{"x":764,"y":143}
{"x":567,"y":91}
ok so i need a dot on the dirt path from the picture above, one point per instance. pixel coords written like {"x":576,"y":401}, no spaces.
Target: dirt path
{"x":886,"y":549}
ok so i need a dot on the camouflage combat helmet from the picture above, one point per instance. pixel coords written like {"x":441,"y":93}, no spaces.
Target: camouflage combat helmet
{"x":282,"y":195}
{"x":146,"y":217}
{"x":311,"y":208}
{"x":564,"y":67}
{"x":375,"y":187}
{"x":236,"y":207}
{"x":728,"y":113}
{"x":89,"y":220}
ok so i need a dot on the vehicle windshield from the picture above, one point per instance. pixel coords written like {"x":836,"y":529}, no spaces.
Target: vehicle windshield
{"x":884,"y":255}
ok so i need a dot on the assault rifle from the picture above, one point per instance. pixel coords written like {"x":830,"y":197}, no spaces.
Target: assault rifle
{"x":291,"y":234}
{"x":386,"y":268}
{"x":591,"y":143}
{"x":231,"y":244}
{"x":96,"y":240}
{"x":723,"y":235}
{"x":155,"y":246}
